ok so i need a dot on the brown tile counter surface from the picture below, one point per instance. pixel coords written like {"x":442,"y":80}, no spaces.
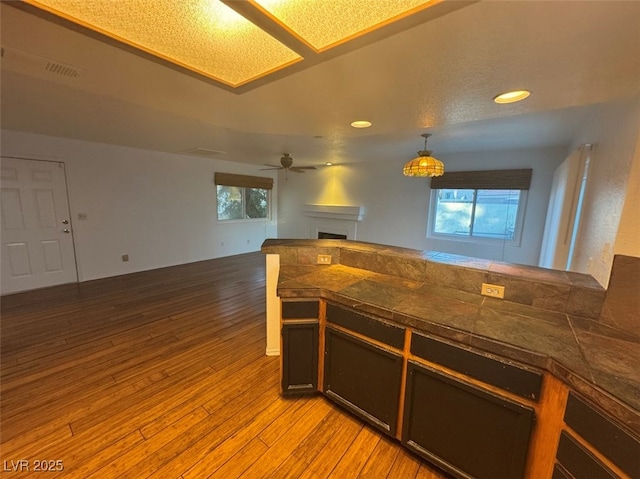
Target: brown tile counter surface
{"x":552,"y":323}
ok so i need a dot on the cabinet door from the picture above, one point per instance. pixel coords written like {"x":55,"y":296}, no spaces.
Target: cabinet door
{"x":463,"y":429}
{"x":299,"y":358}
{"x":363,"y":378}
{"x":608,"y":438}
{"x":579,"y":462}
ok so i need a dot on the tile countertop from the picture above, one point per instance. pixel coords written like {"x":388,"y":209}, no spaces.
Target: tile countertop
{"x":600,"y":362}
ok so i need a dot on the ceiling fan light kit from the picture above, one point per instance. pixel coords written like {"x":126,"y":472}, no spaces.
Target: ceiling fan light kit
{"x":424,"y":165}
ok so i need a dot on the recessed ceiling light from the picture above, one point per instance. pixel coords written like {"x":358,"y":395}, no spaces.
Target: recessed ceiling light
{"x":361,"y":124}
{"x":512,"y":96}
{"x":328,"y":163}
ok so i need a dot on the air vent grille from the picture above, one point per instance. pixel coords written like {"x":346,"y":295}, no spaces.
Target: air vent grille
{"x":204,"y":152}
{"x":32,"y":64}
{"x":62,"y":69}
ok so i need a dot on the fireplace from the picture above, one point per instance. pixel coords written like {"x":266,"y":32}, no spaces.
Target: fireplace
{"x":333,"y":221}
{"x":327,"y":235}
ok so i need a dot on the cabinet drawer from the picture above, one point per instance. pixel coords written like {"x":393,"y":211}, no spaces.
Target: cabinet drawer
{"x":463,"y":429}
{"x":384,"y":332}
{"x":300,"y":309}
{"x":364,"y":378}
{"x":579,"y":462}
{"x":491,"y":371}
{"x":608,"y":438}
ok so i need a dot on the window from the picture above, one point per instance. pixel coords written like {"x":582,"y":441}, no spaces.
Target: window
{"x":479,"y":213}
{"x":243,"y":197}
{"x":486,"y":205}
{"x":236,"y":203}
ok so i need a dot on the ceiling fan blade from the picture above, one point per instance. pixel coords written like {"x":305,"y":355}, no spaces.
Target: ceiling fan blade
{"x":303,"y":167}
{"x":272,"y":167}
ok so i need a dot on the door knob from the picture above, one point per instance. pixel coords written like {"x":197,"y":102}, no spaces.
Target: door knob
{"x":65,"y":230}
{"x":65,"y":222}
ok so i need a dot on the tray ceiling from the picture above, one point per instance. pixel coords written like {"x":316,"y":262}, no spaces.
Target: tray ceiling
{"x":232,"y":42}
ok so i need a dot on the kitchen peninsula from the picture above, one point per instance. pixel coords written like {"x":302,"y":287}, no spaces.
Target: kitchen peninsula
{"x":533,"y":385}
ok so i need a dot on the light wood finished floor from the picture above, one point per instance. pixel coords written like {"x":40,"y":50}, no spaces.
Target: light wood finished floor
{"x":163,"y":374}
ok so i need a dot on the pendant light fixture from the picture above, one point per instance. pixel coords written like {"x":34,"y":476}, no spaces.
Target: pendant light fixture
{"x":425,"y":164}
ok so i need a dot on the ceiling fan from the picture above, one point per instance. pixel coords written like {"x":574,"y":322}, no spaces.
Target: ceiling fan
{"x":287,"y":161}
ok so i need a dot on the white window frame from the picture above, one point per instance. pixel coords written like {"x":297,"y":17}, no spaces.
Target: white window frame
{"x":244,"y":218}
{"x":519,"y":224}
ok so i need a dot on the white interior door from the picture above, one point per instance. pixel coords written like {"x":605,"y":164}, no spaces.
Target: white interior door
{"x":36,"y":234}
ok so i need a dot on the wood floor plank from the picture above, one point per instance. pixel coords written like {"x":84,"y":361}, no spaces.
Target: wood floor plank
{"x":359,"y":451}
{"x":163,"y":374}
{"x":109,"y":455}
{"x":235,"y":443}
{"x":280,"y":461}
{"x":36,"y":440}
{"x":132,"y":457}
{"x":316,"y":442}
{"x":427,"y":471}
{"x":304,"y":416}
{"x":322,"y":460}
{"x":381,"y":460}
{"x":406,"y":466}
{"x":241,"y":461}
{"x":194,"y":445}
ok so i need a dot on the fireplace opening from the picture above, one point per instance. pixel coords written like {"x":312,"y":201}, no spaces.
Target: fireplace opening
{"x":325,"y":235}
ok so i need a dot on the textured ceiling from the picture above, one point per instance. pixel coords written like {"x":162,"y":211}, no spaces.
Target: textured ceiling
{"x":210,"y":38}
{"x":438,"y":74}
{"x":325,"y":23}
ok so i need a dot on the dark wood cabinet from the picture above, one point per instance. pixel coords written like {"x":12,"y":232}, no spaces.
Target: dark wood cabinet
{"x":466,"y":430}
{"x":364,"y":378}
{"x":309,"y":309}
{"x":300,"y":336}
{"x":574,"y":460}
{"x":373,"y":328}
{"x":619,"y":447}
{"x":469,"y":412}
{"x":523,"y":382}
{"x":299,"y":358}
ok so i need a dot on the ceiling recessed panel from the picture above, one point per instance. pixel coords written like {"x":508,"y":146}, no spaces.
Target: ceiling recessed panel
{"x":204,"y":36}
{"x":323,"y":24}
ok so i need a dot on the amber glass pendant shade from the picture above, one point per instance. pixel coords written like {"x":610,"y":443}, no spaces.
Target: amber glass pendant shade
{"x":424,"y":165}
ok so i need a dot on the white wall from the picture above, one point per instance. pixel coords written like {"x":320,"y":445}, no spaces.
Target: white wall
{"x":628,"y":238}
{"x":158,"y":208}
{"x":396,"y":206}
{"x":610,"y":216}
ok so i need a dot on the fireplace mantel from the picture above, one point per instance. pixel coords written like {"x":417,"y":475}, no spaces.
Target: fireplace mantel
{"x":335,"y":212}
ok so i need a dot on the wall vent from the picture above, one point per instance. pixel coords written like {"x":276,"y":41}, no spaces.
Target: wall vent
{"x":62,"y":69}
{"x":32,"y":64}
{"x":199,"y":151}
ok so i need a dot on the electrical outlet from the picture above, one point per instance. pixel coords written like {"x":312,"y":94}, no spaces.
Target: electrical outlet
{"x":125,"y":257}
{"x":324,"y":259}
{"x":492,"y":290}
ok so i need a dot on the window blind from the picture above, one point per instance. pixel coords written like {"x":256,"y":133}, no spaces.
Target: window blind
{"x":243,"y":181}
{"x":484,"y":180}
